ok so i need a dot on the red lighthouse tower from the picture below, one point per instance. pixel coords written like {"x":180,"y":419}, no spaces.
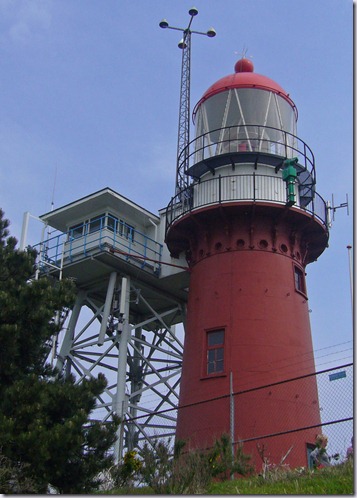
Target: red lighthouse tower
{"x":249,"y":221}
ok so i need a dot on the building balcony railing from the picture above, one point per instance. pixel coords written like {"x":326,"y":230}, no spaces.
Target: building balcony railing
{"x":60,"y":249}
{"x":239,"y":188}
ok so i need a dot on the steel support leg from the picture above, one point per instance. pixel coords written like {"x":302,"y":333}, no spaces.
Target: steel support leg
{"x":120,"y":398}
{"x":107,"y":307}
{"x":68,"y":338}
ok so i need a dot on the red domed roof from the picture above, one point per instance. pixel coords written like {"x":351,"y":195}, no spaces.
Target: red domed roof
{"x":244,"y":77}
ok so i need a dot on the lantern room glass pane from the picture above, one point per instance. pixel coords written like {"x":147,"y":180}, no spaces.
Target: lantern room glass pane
{"x":252,"y":114}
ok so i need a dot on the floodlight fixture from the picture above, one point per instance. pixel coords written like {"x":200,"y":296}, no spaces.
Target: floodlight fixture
{"x":164,"y":24}
{"x":193,"y":12}
{"x":182,"y":44}
{"x":211,"y":32}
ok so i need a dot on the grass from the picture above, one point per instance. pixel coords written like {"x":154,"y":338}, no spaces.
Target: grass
{"x":337,"y":480}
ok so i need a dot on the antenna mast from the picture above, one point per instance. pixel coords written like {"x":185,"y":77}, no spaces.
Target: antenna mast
{"x":333,"y":208}
{"x":184,"y":111}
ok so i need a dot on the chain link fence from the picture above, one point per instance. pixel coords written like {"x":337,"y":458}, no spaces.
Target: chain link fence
{"x":333,"y":401}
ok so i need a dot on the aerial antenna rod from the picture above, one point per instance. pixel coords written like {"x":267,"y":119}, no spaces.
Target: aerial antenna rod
{"x":53,"y":190}
{"x":52,"y":201}
{"x":184,"y":112}
{"x":333,"y":208}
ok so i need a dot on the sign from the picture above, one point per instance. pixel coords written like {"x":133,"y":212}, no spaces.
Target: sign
{"x":338,"y":375}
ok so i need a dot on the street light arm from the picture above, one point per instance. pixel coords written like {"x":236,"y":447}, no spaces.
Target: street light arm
{"x":211,"y":32}
{"x":162,"y":25}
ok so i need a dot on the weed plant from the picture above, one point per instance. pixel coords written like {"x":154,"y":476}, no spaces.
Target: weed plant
{"x":183,"y":472}
{"x":158,"y":470}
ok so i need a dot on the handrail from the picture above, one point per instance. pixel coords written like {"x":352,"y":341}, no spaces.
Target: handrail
{"x":235,"y":138}
{"x":64,"y":247}
{"x":186,"y":201}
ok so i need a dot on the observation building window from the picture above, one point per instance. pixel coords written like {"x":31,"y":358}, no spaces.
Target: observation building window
{"x":76,"y":231}
{"x":96,"y":223}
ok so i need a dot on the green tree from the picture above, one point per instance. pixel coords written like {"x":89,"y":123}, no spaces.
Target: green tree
{"x":45,"y":430}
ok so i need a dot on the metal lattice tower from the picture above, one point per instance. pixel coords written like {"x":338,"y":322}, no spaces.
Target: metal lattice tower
{"x":130,"y":296}
{"x":184,"y":110}
{"x":183,"y":137}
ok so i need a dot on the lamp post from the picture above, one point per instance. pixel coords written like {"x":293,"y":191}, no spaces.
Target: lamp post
{"x":184,"y":111}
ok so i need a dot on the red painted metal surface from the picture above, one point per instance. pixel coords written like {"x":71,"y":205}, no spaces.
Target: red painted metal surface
{"x":242,"y":280}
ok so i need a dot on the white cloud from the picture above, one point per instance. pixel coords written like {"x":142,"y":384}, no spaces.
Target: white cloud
{"x":24,"y":20}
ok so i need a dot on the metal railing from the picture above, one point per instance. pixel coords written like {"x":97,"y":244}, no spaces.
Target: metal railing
{"x":249,"y":187}
{"x":128,"y":243}
{"x":247,"y":138}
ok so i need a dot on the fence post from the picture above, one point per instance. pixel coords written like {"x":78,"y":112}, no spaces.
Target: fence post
{"x":231,"y":416}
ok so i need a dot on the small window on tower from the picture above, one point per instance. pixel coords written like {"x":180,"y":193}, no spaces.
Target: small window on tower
{"x":299,"y":280}
{"x":215,"y":351}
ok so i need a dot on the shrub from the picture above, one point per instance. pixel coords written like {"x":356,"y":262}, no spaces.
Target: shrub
{"x":224,"y":463}
{"x":175,"y":471}
{"x":125,"y":473}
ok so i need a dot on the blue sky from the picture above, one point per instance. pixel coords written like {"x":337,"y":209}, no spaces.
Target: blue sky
{"x":90,"y":93}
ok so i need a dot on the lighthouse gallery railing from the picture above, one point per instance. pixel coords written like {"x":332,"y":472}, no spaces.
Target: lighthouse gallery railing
{"x":259,"y":139}
{"x":237,"y":145}
{"x":216,"y":190}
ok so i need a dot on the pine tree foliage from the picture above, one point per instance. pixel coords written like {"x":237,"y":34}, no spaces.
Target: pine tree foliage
{"x":44,"y":418}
